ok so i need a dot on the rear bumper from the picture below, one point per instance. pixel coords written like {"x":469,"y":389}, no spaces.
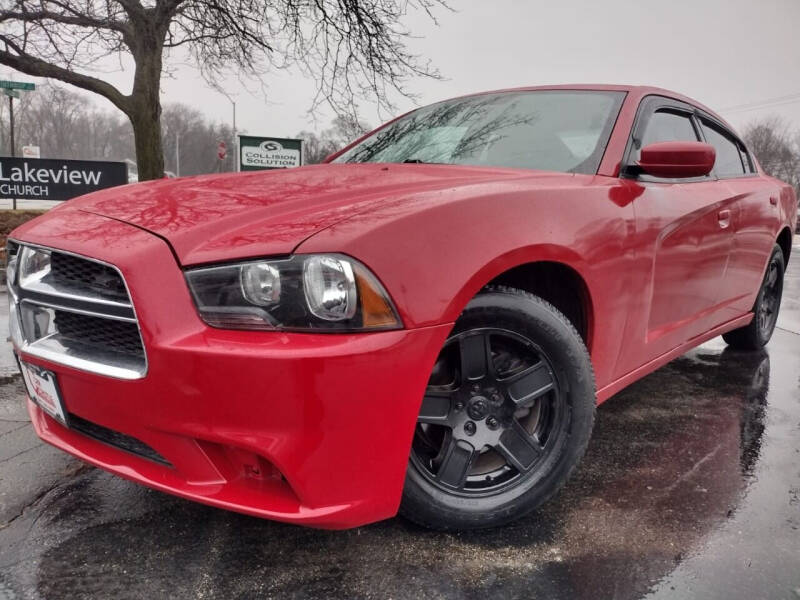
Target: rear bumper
{"x":306,"y":428}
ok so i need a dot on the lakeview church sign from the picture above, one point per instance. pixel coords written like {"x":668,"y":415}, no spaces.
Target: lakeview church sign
{"x":56,"y":179}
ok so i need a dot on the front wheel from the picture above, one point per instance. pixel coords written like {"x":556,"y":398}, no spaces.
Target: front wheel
{"x":756,"y":335}
{"x":506,"y":416}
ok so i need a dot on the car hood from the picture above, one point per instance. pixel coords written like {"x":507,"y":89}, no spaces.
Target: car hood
{"x":214,"y":218}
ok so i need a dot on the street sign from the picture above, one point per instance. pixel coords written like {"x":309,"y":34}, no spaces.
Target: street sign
{"x":16,"y":85}
{"x":222,"y":151}
{"x":30,"y":152}
{"x":11,"y":93}
{"x":55,"y":179}
{"x":257,"y":153}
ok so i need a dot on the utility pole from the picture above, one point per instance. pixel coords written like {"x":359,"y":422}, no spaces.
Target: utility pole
{"x":235,"y":156}
{"x":11,"y":119}
{"x":177,"y":154}
{"x":11,"y":122}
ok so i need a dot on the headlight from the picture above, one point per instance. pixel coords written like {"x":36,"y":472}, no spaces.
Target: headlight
{"x":319,"y":292}
{"x":34,"y":265}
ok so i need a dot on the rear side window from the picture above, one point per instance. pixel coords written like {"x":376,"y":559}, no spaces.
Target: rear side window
{"x":729,"y":161}
{"x":667,"y":126}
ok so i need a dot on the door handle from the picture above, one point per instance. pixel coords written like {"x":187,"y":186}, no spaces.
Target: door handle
{"x":773,"y":200}
{"x":724,"y":217}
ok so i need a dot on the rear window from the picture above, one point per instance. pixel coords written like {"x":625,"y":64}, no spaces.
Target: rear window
{"x":729,"y":161}
{"x":547,"y":129}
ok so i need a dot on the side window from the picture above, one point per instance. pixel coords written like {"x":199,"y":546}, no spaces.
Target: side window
{"x":729,"y":161}
{"x":667,"y":126}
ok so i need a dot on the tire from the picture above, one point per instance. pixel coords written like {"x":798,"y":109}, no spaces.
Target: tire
{"x":756,"y":335}
{"x":506,"y":417}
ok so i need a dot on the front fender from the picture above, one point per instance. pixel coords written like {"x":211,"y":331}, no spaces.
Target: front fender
{"x":511,"y":259}
{"x":433,"y":252}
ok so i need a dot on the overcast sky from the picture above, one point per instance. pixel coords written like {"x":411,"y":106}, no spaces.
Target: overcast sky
{"x":724,"y":53}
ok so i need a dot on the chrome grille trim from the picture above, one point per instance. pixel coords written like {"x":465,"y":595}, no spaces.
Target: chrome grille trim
{"x":79,"y":311}
{"x":45,"y":299}
{"x":70,"y":292}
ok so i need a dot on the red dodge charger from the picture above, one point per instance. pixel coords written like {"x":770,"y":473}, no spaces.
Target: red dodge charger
{"x":423,"y":324}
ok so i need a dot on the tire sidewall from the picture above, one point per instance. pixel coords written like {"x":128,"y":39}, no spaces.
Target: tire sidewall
{"x":777,"y":255}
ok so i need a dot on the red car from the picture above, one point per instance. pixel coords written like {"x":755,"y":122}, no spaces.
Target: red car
{"x":424,"y":324}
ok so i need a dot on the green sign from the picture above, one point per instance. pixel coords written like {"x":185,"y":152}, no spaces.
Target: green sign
{"x":16,"y":85}
{"x":257,"y":153}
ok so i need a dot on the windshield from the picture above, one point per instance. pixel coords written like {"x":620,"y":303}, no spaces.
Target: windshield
{"x":563,"y":130}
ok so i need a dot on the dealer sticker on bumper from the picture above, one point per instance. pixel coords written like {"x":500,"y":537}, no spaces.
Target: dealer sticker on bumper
{"x":43,"y":390}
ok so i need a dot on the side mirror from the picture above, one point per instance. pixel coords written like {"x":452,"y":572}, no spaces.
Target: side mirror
{"x":677,"y":159}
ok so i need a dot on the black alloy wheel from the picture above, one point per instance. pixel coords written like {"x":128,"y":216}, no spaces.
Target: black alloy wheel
{"x":492,"y":411}
{"x":505,"y":418}
{"x":765,"y":309}
{"x":770,"y":301}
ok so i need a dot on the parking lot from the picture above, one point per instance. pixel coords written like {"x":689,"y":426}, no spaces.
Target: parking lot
{"x":690,"y":489}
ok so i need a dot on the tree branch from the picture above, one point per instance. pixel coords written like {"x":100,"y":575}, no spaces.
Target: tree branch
{"x":77,"y":20}
{"x":35,"y":67}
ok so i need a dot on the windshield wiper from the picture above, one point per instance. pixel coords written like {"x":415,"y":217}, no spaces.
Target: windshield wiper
{"x":417,"y":161}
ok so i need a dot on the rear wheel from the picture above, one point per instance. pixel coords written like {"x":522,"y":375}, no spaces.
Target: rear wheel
{"x":768,"y":302}
{"x":506,"y":417}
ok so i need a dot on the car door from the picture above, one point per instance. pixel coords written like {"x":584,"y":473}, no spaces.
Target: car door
{"x":684,"y":239}
{"x":756,"y":202}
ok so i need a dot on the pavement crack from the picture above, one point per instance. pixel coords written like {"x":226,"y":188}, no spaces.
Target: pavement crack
{"x":23,"y":426}
{"x":21,"y":452}
{"x":787,"y":330}
{"x":38,"y":497}
{"x":696,"y":467}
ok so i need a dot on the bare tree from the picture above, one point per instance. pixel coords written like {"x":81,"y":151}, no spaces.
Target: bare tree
{"x":352,"y":48}
{"x":343,"y":130}
{"x":187,"y":130}
{"x":316,"y":146}
{"x":64,"y":125}
{"x":347,"y":128}
{"x":776,"y":148}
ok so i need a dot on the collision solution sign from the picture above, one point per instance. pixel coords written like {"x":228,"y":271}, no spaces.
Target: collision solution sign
{"x":257,"y":153}
{"x":56,"y":179}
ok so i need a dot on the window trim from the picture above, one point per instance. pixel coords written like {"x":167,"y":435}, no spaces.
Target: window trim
{"x":701,"y":116}
{"x":648,"y":106}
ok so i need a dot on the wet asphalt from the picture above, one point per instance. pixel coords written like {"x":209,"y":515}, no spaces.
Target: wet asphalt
{"x":690,"y":489}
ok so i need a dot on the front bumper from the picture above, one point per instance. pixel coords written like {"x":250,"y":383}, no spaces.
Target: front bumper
{"x":306,"y":428}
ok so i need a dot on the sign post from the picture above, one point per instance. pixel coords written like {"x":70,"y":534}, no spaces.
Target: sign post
{"x":222,"y":152}
{"x":258,"y":153}
{"x":10,"y":89}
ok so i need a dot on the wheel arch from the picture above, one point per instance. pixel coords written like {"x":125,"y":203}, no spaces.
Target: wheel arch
{"x":785,"y":242}
{"x":553,"y":273}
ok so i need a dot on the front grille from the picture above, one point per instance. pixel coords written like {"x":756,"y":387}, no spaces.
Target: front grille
{"x":74,"y":311}
{"x":69,"y":271}
{"x":108,"y":334}
{"x":116,"y":439}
